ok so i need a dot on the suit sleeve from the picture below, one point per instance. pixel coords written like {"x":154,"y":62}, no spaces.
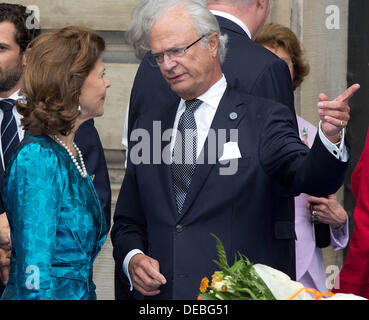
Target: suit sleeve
{"x":275,"y":84}
{"x":299,"y":169}
{"x":129,"y":228}
{"x":340,"y":237}
{"x":88,"y":140}
{"x":32,"y":196}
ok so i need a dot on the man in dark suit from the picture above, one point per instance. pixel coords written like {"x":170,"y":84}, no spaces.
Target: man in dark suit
{"x":167,"y":210}
{"x":18,"y":28}
{"x":248,"y":67}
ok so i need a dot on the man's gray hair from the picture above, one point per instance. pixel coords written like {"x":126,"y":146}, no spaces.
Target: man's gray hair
{"x":231,"y":2}
{"x":137,"y":34}
{"x":148,"y":11}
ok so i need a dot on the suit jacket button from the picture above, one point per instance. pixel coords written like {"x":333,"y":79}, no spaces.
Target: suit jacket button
{"x":179,"y":228}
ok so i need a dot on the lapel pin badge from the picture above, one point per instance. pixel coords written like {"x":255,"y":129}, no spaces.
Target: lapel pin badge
{"x":233,"y":116}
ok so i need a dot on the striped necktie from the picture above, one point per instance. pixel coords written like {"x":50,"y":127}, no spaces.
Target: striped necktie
{"x":184,"y":153}
{"x":9,"y":131}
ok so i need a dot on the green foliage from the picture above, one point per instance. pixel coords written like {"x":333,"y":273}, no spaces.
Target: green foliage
{"x":237,"y":282}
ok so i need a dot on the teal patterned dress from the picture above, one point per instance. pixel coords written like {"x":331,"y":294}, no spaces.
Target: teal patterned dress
{"x":57,"y":225}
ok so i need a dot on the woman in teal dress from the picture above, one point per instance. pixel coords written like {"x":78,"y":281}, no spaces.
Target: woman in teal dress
{"x":56,"y":221}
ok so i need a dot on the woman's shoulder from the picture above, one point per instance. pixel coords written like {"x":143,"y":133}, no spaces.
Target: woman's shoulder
{"x":34,"y":163}
{"x":35,"y":150}
{"x":35,"y":144}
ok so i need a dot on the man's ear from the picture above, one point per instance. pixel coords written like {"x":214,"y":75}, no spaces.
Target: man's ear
{"x":261,"y":4}
{"x":24,"y":57}
{"x":213,"y":42}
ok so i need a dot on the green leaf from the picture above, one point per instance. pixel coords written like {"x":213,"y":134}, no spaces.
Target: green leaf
{"x":222,"y":263}
{"x":241,"y":279}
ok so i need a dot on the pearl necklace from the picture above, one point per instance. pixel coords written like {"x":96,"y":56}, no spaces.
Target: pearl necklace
{"x":81,"y":169}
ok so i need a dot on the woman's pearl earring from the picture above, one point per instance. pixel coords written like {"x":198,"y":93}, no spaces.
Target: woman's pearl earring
{"x":79,"y":108}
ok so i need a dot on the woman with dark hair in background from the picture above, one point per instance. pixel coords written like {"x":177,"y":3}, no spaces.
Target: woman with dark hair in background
{"x":310,"y":268}
{"x":56,"y":221}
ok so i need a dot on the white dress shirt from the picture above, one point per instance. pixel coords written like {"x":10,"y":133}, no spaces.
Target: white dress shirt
{"x":204,"y":114}
{"x":15,"y":96}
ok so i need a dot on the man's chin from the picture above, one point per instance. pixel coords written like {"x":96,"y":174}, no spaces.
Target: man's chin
{"x":179,"y":88}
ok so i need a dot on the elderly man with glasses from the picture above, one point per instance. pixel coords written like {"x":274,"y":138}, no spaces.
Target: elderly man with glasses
{"x":166,"y":212}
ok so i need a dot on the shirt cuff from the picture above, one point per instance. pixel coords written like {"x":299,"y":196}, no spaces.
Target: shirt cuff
{"x":339,"y":236}
{"x":340,"y":153}
{"x":126,"y":261}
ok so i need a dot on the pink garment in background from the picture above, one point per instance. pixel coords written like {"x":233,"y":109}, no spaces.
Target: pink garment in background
{"x":310,"y":267}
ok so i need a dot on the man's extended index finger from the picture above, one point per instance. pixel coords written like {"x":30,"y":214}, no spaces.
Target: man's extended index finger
{"x":347,"y":95}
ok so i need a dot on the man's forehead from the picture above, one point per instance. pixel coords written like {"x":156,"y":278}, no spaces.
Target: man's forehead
{"x":7,"y":33}
{"x":172,"y":20}
{"x":172,"y":28}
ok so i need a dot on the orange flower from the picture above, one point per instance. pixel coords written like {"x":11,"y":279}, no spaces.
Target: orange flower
{"x":204,"y":285}
{"x":200,"y":298}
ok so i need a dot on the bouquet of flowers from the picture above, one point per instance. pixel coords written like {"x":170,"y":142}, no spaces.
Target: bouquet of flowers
{"x":245,"y":281}
{"x":238,"y":282}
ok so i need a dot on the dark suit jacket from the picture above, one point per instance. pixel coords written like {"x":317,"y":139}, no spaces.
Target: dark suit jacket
{"x":248,"y":211}
{"x":248,"y":67}
{"x":88,"y":140}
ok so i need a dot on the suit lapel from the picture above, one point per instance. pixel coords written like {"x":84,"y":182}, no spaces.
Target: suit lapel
{"x":167,"y":121}
{"x":224,"y":118}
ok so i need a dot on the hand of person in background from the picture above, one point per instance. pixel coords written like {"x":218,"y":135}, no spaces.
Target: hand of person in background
{"x":5,"y":246}
{"x":4,"y":265}
{"x":328,"y":211}
{"x":335,"y":114}
{"x":4,"y":232}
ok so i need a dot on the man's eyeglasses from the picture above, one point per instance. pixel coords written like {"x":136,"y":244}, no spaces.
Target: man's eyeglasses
{"x":156,"y":59}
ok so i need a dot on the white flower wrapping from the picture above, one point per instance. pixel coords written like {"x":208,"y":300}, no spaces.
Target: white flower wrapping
{"x":283,"y":288}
